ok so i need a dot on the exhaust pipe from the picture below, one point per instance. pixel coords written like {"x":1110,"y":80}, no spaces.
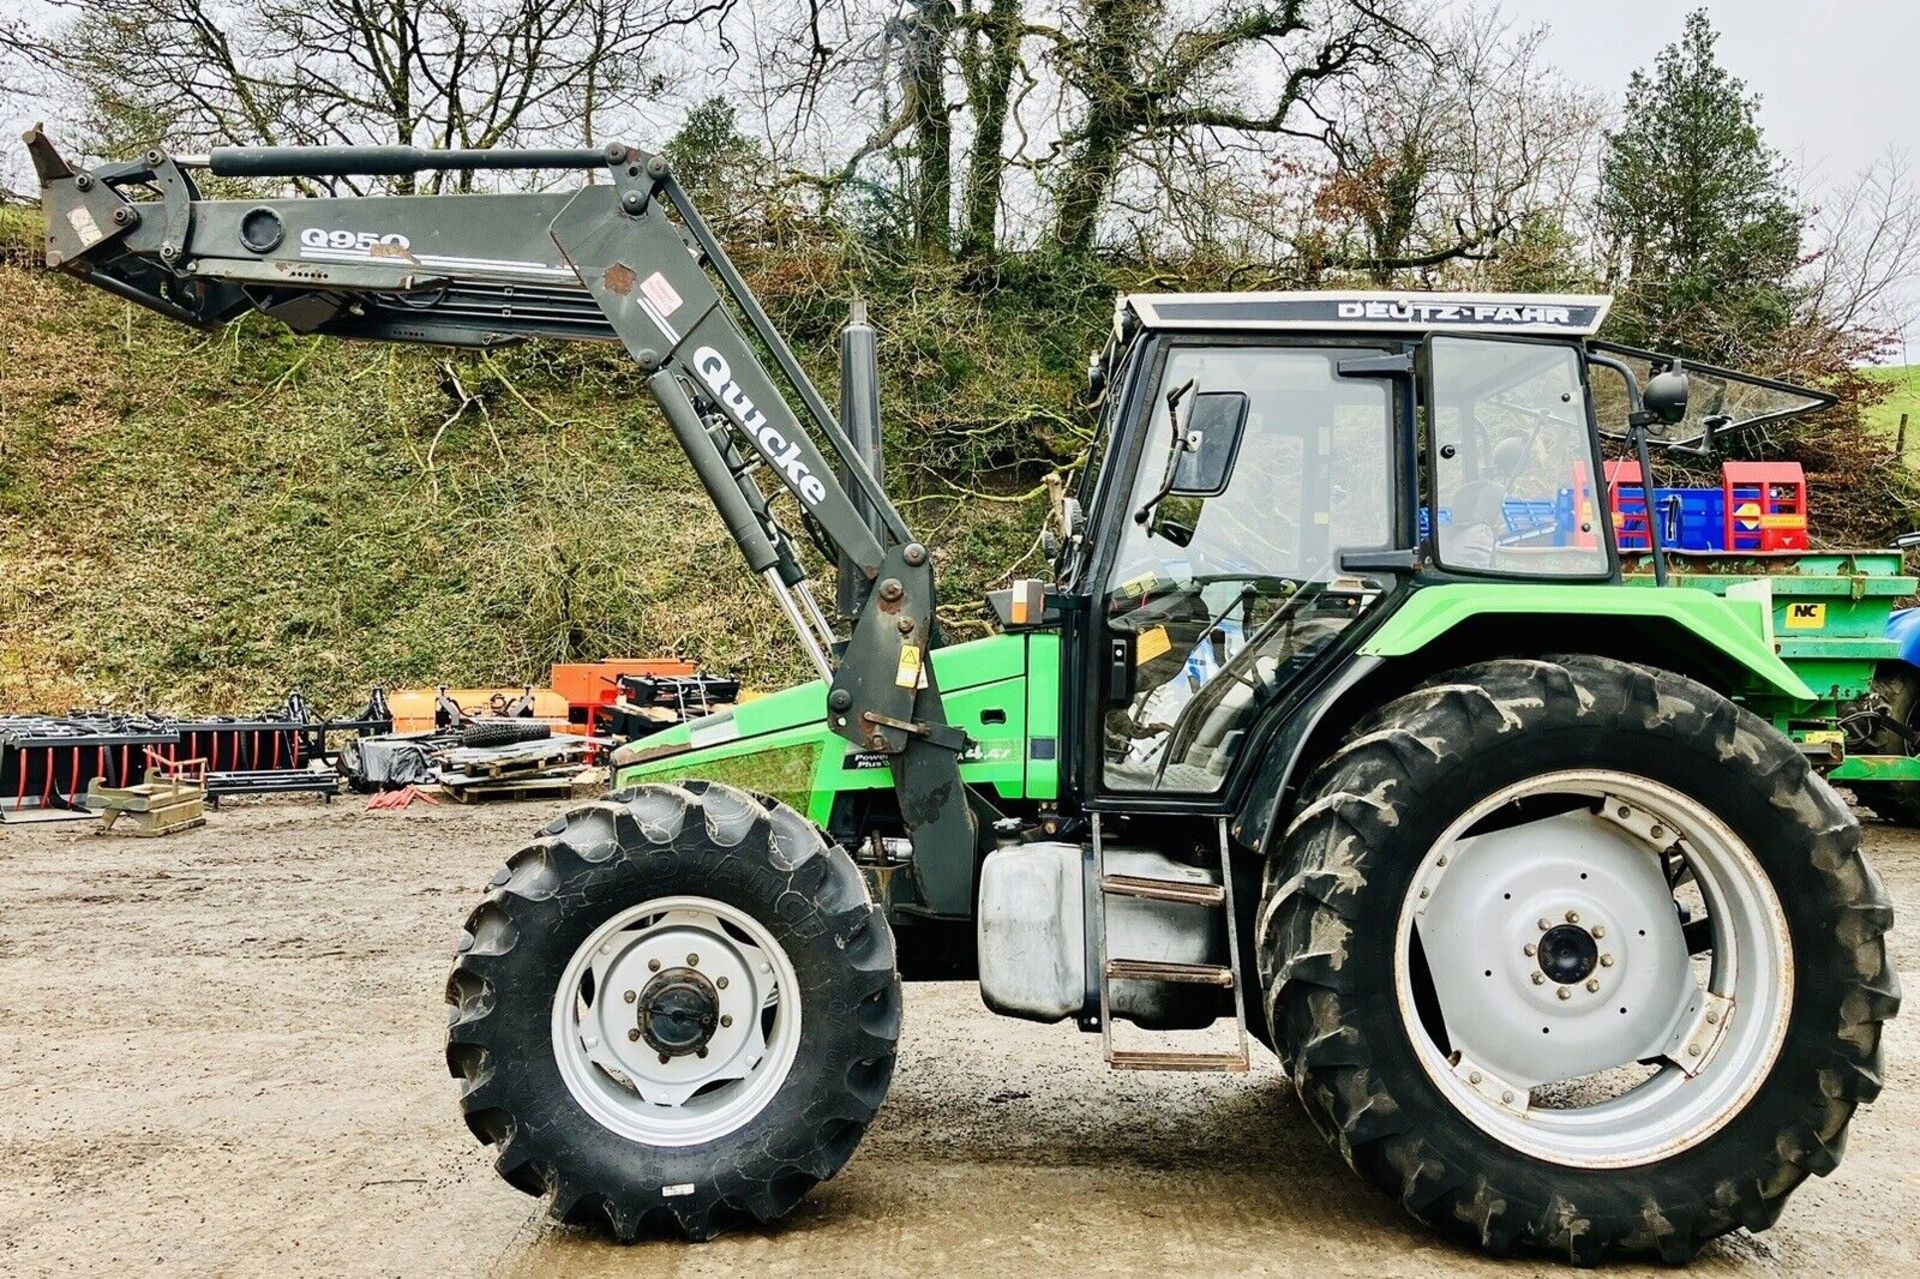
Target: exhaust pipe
{"x":860,"y":419}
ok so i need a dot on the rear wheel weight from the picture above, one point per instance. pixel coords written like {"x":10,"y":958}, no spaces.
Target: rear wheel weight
{"x":708,"y":905}
{"x":1370,"y":1051}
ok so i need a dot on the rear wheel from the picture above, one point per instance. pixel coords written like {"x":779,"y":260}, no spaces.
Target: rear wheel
{"x":1575,"y":956}
{"x":676,"y":1010}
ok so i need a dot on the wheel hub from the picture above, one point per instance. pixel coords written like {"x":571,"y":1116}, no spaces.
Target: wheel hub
{"x":679,"y":1011}
{"x":1567,"y":954}
{"x":677,"y":1019}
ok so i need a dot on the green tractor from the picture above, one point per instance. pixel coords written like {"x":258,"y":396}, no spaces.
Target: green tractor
{"x":1335,"y":727}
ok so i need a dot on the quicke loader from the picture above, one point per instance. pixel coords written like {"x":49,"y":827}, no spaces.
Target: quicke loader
{"x":1334,"y":727}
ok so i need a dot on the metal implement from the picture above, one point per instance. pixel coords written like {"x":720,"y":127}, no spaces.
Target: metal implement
{"x":630,"y":261}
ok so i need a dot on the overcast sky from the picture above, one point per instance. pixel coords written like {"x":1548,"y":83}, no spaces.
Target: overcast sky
{"x":1837,"y":78}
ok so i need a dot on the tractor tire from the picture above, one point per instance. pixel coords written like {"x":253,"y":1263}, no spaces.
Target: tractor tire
{"x":504,"y":732}
{"x":1467,"y":817}
{"x":1898,"y":802}
{"x":726,"y":923}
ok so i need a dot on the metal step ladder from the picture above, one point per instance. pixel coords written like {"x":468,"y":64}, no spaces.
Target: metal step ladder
{"x":1120,"y":968}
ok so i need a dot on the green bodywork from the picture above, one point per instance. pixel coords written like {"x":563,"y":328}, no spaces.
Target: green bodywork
{"x":1002,"y":691}
{"x":1734,"y":628}
{"x":1827,"y":614}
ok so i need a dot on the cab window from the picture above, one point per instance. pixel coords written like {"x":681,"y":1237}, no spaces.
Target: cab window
{"x":1512,"y":459}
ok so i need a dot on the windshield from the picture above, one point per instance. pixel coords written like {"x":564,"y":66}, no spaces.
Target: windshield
{"x":1512,"y":459}
{"x":1733,"y":400}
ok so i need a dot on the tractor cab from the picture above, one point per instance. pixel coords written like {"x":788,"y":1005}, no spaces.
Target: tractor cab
{"x":1272,"y":473}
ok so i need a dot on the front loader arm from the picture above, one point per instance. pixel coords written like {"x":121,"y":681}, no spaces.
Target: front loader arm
{"x":628,"y":261}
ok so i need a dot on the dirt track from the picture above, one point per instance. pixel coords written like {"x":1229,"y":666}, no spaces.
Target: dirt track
{"x":220,"y":1052}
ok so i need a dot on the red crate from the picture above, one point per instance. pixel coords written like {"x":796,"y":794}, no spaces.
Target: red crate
{"x":1766,"y":505}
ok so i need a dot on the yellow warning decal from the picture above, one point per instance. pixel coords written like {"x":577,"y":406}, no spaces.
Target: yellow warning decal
{"x":908,"y":674}
{"x":1783,"y":521}
{"x":1152,"y":643}
{"x":1140,"y":585}
{"x":1806,"y":617}
{"x":1824,"y":737}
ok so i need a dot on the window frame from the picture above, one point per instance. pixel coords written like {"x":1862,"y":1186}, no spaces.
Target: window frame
{"x":1425,"y":428}
{"x":1107,"y":524}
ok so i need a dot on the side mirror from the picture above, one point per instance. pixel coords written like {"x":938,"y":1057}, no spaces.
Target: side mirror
{"x":1213,"y":434}
{"x":1666,"y":397}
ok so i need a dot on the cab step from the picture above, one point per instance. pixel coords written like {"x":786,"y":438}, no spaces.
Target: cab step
{"x":1159,"y":970}
{"x":1164,"y":890}
{"x":1192,"y":892}
{"x":1143,"y":1059}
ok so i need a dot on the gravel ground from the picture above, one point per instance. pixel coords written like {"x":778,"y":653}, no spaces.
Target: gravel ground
{"x":220,"y":1053}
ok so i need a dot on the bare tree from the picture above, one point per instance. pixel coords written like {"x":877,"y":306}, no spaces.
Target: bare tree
{"x":1235,"y":71}
{"x":1438,"y":166}
{"x":450,"y":73}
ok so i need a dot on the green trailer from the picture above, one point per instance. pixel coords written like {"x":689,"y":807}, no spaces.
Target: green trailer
{"x":1826,"y":615}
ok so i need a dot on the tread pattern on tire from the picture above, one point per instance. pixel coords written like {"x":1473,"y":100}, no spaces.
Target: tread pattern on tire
{"x":648,"y":823}
{"x":1312,"y":912}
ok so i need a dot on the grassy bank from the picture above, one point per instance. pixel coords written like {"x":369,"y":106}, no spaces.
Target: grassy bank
{"x":198,"y":521}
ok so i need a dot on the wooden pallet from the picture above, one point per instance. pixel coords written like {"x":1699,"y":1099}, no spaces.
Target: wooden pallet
{"x":151,"y":808}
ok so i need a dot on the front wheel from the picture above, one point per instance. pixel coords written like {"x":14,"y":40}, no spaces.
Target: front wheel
{"x":1576,"y":956}
{"x":676,"y":1010}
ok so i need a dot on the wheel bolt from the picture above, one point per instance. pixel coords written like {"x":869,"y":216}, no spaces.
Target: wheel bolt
{"x":1529,"y":949}
{"x":1473,"y":1077}
{"x":1693,"y":1050}
{"x":1539,"y":979}
{"x":693,"y":961}
{"x":1564,"y":993}
{"x":1658,"y":832}
{"x":664,"y":1059}
{"x":700,"y":1052}
{"x":1593,"y":983}
{"x":1606,"y":961}
{"x":1544,"y":923}
{"x":1507,"y":1096}
{"x":633,"y":1036}
{"x":720,"y":982}
{"x":726,"y":1019}
{"x":632,"y":995}
{"x":1599,"y":931}
{"x":1425,"y":893}
{"x":1573,"y":917}
{"x":1713,"y":1019}
{"x":653,"y":965}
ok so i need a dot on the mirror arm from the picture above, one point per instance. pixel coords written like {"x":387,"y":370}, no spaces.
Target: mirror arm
{"x":1654,"y":548}
{"x":1175,"y":447}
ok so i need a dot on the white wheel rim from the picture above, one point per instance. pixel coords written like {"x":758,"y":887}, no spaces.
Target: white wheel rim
{"x":1532,"y":1037}
{"x":713,"y":956}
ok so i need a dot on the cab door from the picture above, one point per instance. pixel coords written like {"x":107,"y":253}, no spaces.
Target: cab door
{"x":1223,"y":592}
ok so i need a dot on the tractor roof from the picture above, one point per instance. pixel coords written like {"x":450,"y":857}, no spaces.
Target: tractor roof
{"x":1560,"y":314}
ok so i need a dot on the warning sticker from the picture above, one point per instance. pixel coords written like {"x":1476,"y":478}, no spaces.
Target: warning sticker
{"x":908,"y":674}
{"x":84,"y":226}
{"x":1806,"y":617}
{"x":1152,"y":643}
{"x":657,"y":291}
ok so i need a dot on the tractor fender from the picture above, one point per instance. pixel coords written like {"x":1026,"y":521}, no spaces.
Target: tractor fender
{"x":1723,"y":644}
